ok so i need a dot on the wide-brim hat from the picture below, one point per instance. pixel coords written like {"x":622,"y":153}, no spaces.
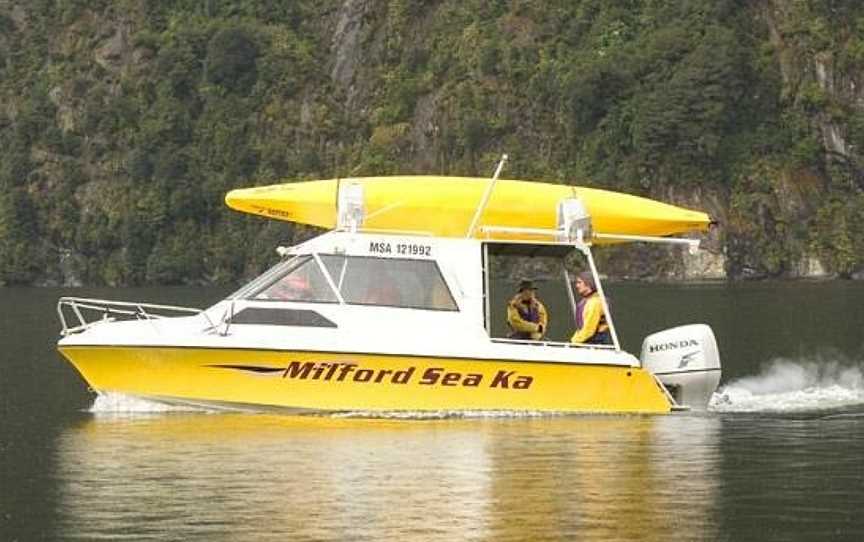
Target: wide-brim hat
{"x":526,"y":285}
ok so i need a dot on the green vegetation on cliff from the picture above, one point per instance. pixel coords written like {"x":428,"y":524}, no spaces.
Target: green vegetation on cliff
{"x":123,"y":123}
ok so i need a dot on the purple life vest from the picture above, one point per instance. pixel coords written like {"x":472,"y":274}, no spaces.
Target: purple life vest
{"x":529,"y":312}
{"x":580,"y":309}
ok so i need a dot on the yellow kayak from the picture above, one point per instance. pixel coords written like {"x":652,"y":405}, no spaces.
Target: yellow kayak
{"x":445,"y":206}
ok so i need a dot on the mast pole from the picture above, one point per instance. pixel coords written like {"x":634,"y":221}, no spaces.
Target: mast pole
{"x":602,"y":295}
{"x":486,"y":197}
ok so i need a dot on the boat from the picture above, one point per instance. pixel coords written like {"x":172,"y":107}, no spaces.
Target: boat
{"x":389,"y":316}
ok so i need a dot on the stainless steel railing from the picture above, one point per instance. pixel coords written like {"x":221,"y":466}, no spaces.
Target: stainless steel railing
{"x":89,"y":312}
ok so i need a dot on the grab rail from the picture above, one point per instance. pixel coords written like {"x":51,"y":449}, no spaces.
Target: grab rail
{"x":109,"y":309}
{"x":559,"y":344}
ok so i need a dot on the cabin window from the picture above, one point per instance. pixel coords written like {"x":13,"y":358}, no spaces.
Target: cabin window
{"x":303,"y":281}
{"x":550,"y":268}
{"x":390,"y":282}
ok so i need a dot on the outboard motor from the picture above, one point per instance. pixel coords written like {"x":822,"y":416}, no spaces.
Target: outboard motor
{"x":686,"y":360}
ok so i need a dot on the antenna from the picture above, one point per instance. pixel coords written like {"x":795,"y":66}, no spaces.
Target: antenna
{"x":485,"y":199}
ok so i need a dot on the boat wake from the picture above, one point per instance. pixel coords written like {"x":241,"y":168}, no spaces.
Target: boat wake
{"x":794,"y":386}
{"x":115,"y":404}
{"x":119,"y":404}
{"x":442,"y":414}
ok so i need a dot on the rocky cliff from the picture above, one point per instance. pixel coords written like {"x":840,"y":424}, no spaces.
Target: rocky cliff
{"x":123,"y":123}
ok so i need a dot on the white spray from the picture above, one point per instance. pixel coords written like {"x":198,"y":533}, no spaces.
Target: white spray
{"x":118,"y":404}
{"x":786,"y":385}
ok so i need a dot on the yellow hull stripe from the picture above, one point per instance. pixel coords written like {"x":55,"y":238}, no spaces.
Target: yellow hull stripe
{"x":363,"y":382}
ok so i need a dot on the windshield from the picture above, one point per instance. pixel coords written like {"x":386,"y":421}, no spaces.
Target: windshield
{"x":303,"y":281}
{"x":360,"y":280}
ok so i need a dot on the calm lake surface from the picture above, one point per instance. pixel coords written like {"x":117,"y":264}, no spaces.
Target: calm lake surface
{"x":779,"y":456}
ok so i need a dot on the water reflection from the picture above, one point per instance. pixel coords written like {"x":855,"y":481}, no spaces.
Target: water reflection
{"x":251,"y":477}
{"x":606,"y":479}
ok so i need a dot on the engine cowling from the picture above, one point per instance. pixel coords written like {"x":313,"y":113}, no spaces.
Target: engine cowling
{"x":686,"y":360}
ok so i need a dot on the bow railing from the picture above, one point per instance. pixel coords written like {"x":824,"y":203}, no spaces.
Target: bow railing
{"x":84,"y":313}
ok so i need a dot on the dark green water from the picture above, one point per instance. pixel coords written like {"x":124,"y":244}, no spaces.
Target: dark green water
{"x":781,"y":457}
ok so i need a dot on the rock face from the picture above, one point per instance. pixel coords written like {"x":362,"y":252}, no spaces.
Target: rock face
{"x":840,"y":87}
{"x":710,"y":261}
{"x":70,"y":269}
{"x":704,"y":265}
{"x":345,"y":47}
{"x":115,"y":52}
{"x":787,"y":219}
{"x":811,"y":267}
{"x":425,"y":132}
{"x":124,"y":136}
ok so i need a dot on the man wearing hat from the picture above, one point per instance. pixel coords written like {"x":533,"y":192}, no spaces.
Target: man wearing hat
{"x":591,"y":326}
{"x":526,"y":315}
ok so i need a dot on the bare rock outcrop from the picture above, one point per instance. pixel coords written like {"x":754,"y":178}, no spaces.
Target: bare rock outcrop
{"x":345,"y":45}
{"x":116,"y":51}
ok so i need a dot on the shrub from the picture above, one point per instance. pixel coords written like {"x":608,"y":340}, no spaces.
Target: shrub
{"x":231,"y":60}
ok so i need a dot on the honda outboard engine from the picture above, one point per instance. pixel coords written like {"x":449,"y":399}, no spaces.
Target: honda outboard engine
{"x":685,"y":359}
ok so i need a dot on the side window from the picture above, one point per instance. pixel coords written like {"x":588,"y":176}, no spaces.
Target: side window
{"x":390,"y":282}
{"x":548,"y":268}
{"x":302,"y":282}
